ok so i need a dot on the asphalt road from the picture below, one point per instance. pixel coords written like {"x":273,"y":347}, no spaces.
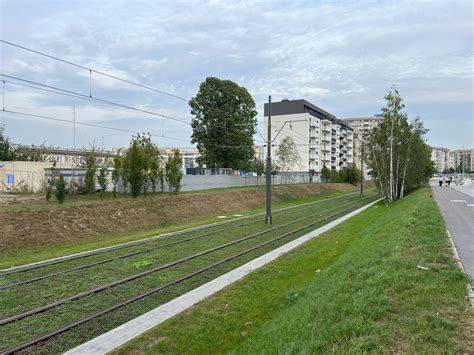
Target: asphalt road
{"x":458,"y":211}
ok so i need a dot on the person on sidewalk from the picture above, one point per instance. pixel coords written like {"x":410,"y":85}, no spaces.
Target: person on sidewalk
{"x":450,"y":178}
{"x":440,"y":180}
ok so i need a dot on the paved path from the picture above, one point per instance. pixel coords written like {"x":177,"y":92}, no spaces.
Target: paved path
{"x":458,"y":211}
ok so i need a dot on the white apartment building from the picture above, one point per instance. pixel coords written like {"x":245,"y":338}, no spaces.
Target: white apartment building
{"x":364,"y":124}
{"x":321,"y":139}
{"x":459,"y":160}
{"x":440,"y":156}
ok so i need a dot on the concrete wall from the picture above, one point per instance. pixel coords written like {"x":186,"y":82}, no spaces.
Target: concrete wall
{"x":203,"y":182}
{"x":22,"y":176}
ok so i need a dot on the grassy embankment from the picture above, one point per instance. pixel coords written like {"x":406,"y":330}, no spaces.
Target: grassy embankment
{"x":355,"y":289}
{"x":39,"y":230}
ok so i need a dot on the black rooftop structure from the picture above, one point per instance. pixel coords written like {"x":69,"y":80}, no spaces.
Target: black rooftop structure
{"x":290,"y":107}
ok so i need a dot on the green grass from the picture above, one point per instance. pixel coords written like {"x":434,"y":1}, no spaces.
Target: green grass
{"x":25,"y":297}
{"x":356,"y":289}
{"x":53,"y":250}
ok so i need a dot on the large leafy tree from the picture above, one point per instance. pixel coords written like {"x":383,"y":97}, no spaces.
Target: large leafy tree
{"x":224,"y":123}
{"x":397,"y":152}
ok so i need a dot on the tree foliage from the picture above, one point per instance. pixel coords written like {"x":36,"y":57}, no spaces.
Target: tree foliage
{"x":102,"y":180}
{"x":350,"y":175}
{"x":224,"y":117}
{"x":141,"y":158}
{"x":7,"y":152}
{"x":396,"y":151}
{"x":60,"y":189}
{"x":173,"y":171}
{"x":89,"y":179}
{"x":116,"y":173}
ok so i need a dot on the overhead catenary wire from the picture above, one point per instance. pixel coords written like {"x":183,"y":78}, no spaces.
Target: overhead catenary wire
{"x":88,"y":124}
{"x":62,"y":91}
{"x":94,"y":71}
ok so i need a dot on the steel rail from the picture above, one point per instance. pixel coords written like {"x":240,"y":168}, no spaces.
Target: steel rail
{"x":29,"y":267}
{"x":164,"y":286}
{"x":153,"y":270}
{"x":101,"y":262}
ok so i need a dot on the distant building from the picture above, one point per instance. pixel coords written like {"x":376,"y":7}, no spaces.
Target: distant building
{"x":22,"y":176}
{"x":321,"y":138}
{"x":440,"y":157}
{"x":190,"y":156}
{"x":460,"y":160}
{"x":364,"y":124}
{"x":65,"y":157}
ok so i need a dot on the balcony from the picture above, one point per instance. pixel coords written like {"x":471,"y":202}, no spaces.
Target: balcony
{"x":325,"y":139}
{"x":325,"y":148}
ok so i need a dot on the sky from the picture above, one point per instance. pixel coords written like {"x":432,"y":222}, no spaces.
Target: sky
{"x":342,"y":56}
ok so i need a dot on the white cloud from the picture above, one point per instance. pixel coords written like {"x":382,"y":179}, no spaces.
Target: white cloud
{"x":342,"y":56}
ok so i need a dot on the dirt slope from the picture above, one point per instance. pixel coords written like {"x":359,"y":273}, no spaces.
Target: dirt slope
{"x":86,"y":222}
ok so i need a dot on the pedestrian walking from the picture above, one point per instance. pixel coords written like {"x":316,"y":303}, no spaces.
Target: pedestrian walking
{"x":444,"y":181}
{"x":450,"y":178}
{"x":440,"y":180}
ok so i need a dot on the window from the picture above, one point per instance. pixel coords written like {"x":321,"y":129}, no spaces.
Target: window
{"x":188,"y":162}
{"x":9,"y":179}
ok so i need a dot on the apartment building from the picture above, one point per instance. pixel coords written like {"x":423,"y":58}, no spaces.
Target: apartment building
{"x":460,"y":160}
{"x":364,"y":124}
{"x":440,"y":156}
{"x":463,"y":160}
{"x":321,"y":139}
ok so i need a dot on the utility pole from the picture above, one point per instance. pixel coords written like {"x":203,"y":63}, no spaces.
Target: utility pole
{"x":268,"y":218}
{"x":74,"y":148}
{"x":362,"y":169}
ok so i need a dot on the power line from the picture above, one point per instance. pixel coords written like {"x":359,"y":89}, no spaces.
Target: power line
{"x":94,"y":71}
{"x":54,"y":89}
{"x":89,"y":124}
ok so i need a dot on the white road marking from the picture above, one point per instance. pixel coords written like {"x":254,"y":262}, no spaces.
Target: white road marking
{"x":458,"y":200}
{"x":470,"y":205}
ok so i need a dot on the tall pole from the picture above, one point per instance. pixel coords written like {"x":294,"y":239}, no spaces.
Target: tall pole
{"x":268,"y":218}
{"x":362,"y":169}
{"x":74,"y":148}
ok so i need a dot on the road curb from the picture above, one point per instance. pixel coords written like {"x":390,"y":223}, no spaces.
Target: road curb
{"x":469,"y":287}
{"x":135,"y":327}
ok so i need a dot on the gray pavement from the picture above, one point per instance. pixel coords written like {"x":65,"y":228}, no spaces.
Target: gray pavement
{"x":458,"y":210}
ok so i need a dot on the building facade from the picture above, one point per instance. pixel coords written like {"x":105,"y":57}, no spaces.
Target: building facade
{"x":364,"y":124}
{"x":440,"y":157}
{"x":321,"y":139}
{"x":459,"y":161}
{"x":189,"y":156}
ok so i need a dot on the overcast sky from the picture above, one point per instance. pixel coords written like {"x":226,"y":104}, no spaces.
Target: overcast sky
{"x":342,"y":56}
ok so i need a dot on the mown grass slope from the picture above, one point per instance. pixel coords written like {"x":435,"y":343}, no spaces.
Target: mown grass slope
{"x":40,"y":230}
{"x":356,"y":289}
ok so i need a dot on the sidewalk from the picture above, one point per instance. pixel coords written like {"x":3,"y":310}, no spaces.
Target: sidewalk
{"x":457,"y":205}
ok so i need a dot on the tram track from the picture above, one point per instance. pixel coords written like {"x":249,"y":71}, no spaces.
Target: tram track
{"x":188,"y":276}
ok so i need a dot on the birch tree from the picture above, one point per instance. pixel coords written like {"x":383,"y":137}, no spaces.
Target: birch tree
{"x":397,"y":153}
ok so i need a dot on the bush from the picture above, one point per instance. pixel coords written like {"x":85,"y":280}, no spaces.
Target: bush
{"x":60,"y":189}
{"x":49,"y":188}
{"x":102,"y":180}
